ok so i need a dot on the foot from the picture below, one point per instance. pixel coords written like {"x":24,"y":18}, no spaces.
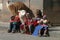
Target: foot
{"x":13,"y":32}
{"x":44,"y":35}
{"x":9,"y":31}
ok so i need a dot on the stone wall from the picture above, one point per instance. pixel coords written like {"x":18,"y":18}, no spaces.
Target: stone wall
{"x":53,"y":11}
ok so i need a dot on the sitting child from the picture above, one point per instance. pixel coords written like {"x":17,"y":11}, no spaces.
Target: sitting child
{"x":45,"y":25}
{"x":12,"y":24}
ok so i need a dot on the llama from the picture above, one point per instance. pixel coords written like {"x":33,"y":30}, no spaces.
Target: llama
{"x":15,"y":6}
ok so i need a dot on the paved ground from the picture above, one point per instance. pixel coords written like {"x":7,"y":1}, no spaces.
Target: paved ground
{"x":54,"y":34}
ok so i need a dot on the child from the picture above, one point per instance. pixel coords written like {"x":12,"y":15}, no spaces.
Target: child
{"x":18,"y":23}
{"x":12,"y":24}
{"x":44,"y":25}
{"x":37,"y":29}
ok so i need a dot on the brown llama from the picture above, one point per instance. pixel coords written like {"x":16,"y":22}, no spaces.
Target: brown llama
{"x":15,"y":6}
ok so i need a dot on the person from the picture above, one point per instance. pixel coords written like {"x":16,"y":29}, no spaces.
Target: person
{"x":37,"y":24}
{"x":22,"y":28}
{"x":45,"y":25}
{"x":33,"y":25}
{"x":37,"y":29}
{"x":17,"y":19}
{"x":12,"y":24}
{"x":27,"y":21}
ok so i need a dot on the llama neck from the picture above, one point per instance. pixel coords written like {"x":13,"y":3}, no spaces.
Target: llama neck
{"x":9,"y":3}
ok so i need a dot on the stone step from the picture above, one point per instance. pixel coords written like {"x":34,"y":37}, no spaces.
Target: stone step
{"x":57,"y":28}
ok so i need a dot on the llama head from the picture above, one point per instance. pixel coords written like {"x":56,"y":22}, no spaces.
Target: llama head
{"x":22,"y":12}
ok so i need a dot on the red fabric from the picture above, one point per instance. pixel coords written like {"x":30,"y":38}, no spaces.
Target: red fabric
{"x":35,"y":23}
{"x":25,"y":20}
{"x":18,"y":13}
{"x":43,"y":25}
{"x":28,"y":22}
{"x":22,"y":27}
{"x":17,"y":19}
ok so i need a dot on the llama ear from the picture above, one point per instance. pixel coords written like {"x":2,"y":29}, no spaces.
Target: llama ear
{"x":8,"y":2}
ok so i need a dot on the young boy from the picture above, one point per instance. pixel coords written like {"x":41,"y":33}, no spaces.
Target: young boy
{"x":12,"y":24}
